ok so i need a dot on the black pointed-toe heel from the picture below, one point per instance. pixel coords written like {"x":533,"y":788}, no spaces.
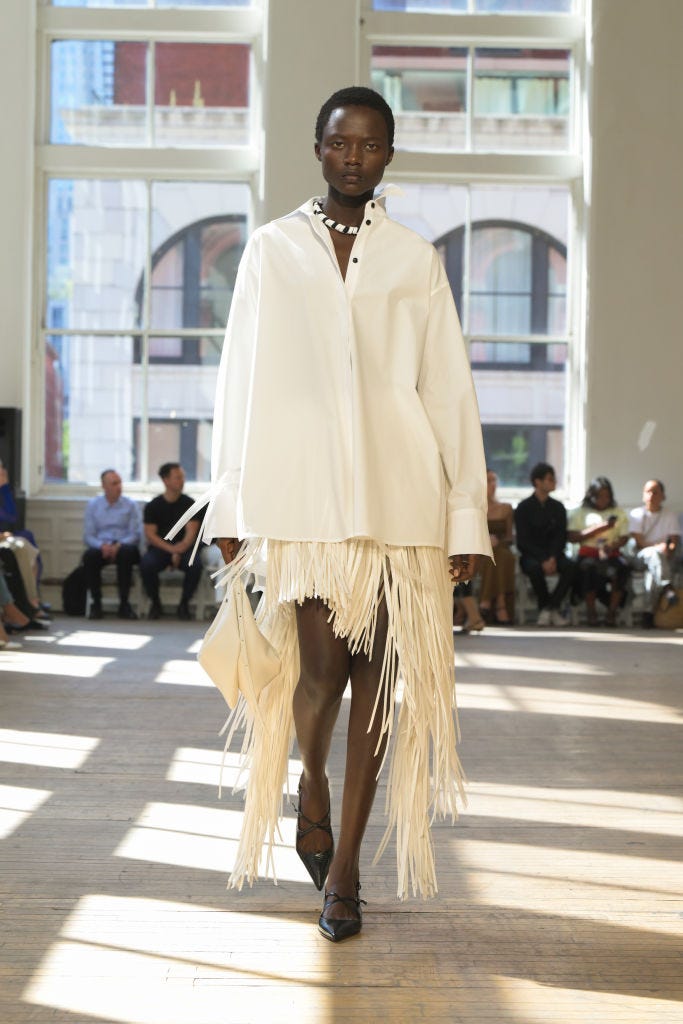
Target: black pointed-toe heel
{"x":317,"y":863}
{"x":337,"y":929}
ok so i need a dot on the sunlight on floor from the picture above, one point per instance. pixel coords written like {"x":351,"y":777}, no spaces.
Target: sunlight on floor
{"x":181,"y":672}
{"x":548,"y":877}
{"x":39,"y":664}
{"x":156,"y":962}
{"x":17,"y":804}
{"x":201,"y":766}
{"x":643,"y":812}
{"x":551,"y":701}
{"x":110,"y":641}
{"x":534,"y":1004}
{"x":48,"y":749}
{"x":521,"y":663}
{"x":204,"y":838}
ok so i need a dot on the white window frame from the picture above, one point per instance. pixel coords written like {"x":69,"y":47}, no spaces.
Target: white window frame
{"x":552,"y":31}
{"x":218,"y":164}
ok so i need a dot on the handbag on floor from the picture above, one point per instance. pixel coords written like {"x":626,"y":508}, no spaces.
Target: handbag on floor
{"x":234,"y":652}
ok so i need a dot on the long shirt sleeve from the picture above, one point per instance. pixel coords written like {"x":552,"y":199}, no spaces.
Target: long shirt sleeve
{"x":447,"y":392}
{"x":232,"y":392}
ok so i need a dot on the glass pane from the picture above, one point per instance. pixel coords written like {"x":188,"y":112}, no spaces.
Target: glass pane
{"x":96,"y":245}
{"x":521,"y":99}
{"x":98,"y":93}
{"x":518,"y":260}
{"x":201,"y":94}
{"x":483,"y":6}
{"x":426,"y":87}
{"x":522,"y":400}
{"x":524,"y":6}
{"x":151,"y":3}
{"x":424,"y":6}
{"x":100,"y":3}
{"x":88,"y":406}
{"x":198,"y":236}
{"x":500,"y":276}
{"x":187,"y":441}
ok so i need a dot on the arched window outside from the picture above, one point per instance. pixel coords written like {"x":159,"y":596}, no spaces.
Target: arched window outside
{"x":517,"y":287}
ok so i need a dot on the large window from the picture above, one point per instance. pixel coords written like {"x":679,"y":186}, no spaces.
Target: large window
{"x":148,"y":171}
{"x":486,"y":134}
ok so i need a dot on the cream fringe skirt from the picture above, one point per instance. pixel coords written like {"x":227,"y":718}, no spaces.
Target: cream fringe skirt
{"x":425,"y":777}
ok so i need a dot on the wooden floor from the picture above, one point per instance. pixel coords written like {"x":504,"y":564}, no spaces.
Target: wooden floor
{"x":560,"y":887}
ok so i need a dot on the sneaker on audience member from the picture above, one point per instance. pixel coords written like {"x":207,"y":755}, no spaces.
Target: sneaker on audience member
{"x":544,"y":618}
{"x":557,"y":618}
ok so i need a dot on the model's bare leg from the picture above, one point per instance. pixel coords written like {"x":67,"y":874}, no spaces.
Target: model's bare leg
{"x":325,"y":666}
{"x":362,"y":765}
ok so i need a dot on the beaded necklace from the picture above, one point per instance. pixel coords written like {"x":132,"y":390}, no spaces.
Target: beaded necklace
{"x":343,"y":229}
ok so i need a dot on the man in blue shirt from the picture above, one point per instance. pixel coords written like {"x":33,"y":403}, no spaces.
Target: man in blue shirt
{"x":113,"y":531}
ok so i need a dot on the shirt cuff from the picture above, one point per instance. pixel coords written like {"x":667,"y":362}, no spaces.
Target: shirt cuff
{"x":467,"y":533}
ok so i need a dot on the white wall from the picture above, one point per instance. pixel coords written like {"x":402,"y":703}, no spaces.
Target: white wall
{"x":635,"y":314}
{"x":17,"y":27}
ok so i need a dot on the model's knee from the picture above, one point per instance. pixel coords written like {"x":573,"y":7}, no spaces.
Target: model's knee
{"x":322,"y":685}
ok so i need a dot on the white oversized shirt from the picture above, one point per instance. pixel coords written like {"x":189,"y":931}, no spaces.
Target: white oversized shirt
{"x":346,"y":407}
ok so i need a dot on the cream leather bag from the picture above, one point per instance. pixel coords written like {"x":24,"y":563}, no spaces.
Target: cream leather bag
{"x":234,"y":653}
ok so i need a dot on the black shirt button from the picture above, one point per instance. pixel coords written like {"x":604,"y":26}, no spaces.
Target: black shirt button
{"x":372,"y":205}
{"x":355,"y":259}
{"x":368,"y":222}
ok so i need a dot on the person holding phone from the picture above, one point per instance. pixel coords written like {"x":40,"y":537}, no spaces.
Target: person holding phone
{"x":600,"y":527}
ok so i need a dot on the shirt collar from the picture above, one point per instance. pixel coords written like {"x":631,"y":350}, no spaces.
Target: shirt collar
{"x":379,"y":199}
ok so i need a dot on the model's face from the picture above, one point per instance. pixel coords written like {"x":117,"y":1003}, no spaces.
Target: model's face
{"x":653,"y":496}
{"x":602,"y":499}
{"x":491,"y":484}
{"x":175,"y":481}
{"x":354,"y":150}
{"x":112,"y":487}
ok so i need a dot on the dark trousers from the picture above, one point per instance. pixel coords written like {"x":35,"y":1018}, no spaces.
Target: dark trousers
{"x":155,"y":561}
{"x":566,"y":570}
{"x":127,"y":556}
{"x":602,"y":576}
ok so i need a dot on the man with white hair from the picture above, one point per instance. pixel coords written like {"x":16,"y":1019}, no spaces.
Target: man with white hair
{"x":656,"y":533}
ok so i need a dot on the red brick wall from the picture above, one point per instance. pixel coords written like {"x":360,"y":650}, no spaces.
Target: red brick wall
{"x":222,"y":70}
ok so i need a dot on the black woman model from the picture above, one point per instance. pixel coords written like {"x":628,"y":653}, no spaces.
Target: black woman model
{"x":348,"y":458}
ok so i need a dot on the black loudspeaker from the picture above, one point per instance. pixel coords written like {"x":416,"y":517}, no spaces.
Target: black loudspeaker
{"x":10,"y":446}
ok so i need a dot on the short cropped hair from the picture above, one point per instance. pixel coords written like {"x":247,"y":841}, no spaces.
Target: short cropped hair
{"x":104,"y":473}
{"x":355,"y":96}
{"x":167,"y":468}
{"x":540,"y":471}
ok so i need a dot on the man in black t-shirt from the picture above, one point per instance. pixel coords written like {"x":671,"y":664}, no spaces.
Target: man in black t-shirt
{"x":160,"y":515}
{"x":541,"y":534}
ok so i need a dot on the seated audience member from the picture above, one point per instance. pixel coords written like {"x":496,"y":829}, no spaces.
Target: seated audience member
{"x":497,"y":593}
{"x":464,"y":601}
{"x":12,"y":618}
{"x":160,"y":515}
{"x":7,"y":606}
{"x":113,"y":532}
{"x":541,"y":528}
{"x":656,"y":533}
{"x":600,"y":528}
{"x":21,"y":541}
